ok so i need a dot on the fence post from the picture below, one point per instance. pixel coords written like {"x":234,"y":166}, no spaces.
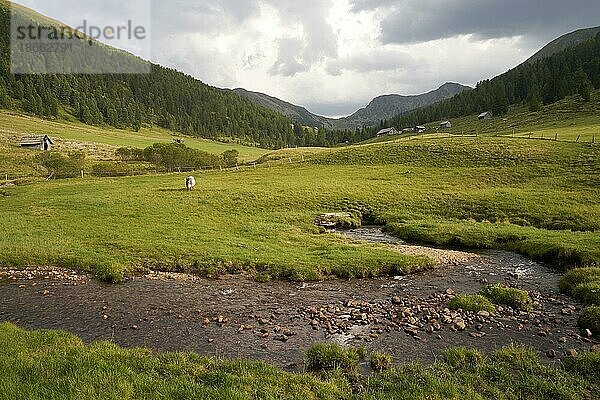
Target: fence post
{"x":290,"y":160}
{"x":556,"y":137}
{"x":81,"y":174}
{"x":254,"y":164}
{"x":578,"y":137}
{"x":594,"y":139}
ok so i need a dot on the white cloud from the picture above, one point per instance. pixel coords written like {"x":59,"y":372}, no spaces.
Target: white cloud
{"x":336,"y":55}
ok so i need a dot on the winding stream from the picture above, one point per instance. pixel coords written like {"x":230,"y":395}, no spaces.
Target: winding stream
{"x":276,"y":321}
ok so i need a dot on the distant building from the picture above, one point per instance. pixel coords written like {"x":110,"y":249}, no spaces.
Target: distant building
{"x":446,"y":125}
{"x":420,"y":129}
{"x":408,"y":130}
{"x":388,"y":132}
{"x":485,"y":116}
{"x":179,"y":141}
{"x":37,"y":142}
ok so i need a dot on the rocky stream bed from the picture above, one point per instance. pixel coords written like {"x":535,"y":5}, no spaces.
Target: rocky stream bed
{"x":233,"y":317}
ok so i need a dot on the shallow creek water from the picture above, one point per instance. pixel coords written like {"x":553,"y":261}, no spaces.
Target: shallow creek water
{"x":235,"y":317}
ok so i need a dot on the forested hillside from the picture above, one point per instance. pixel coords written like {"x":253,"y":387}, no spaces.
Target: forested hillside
{"x":572,"y":71}
{"x":165,"y":98}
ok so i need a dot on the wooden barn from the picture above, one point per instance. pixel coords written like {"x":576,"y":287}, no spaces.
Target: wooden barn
{"x":485,"y":116}
{"x":388,"y":132}
{"x":446,"y":125}
{"x":37,"y":142}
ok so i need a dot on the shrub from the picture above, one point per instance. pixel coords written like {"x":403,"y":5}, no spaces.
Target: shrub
{"x":110,"y":169}
{"x":576,"y":277}
{"x":590,"y":319}
{"x":60,"y":166}
{"x":501,"y":295}
{"x":323,"y":357}
{"x":588,"y":293}
{"x":128,"y":154}
{"x":230,"y":158}
{"x":475,"y":303}
{"x":381,"y":362}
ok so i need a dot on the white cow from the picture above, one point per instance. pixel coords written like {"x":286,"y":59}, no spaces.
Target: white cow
{"x":190,"y":183}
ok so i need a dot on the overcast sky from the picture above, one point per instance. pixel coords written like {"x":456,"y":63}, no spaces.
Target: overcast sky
{"x":334,"y":56}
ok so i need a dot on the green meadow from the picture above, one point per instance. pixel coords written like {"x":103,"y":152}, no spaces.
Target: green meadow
{"x":535,"y":197}
{"x":56,"y":365}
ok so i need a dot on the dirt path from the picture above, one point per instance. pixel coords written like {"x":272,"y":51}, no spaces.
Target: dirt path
{"x":276,"y":321}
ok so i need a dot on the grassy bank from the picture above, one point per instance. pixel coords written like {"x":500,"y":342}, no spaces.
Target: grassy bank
{"x":538,"y":198}
{"x":56,"y":365}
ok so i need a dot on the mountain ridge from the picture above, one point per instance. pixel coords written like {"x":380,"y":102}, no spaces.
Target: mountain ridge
{"x":564,"y":42}
{"x":382,"y":107}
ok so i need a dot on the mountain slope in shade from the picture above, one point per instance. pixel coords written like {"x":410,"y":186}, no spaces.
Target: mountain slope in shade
{"x":381,"y":108}
{"x":296,"y":113}
{"x":564,"y":42}
{"x":389,"y":106}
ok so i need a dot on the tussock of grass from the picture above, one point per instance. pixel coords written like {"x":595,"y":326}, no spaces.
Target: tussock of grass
{"x":588,"y":293}
{"x":586,"y":365}
{"x":381,"y":362}
{"x":576,"y":277}
{"x":583,"y":284}
{"x":323,"y":357}
{"x":475,"y":303}
{"x":590,"y":319}
{"x":463,"y":358}
{"x":57,"y":365}
{"x":501,"y":295}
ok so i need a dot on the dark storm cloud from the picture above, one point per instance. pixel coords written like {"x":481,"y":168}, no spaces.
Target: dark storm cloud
{"x":408,"y":21}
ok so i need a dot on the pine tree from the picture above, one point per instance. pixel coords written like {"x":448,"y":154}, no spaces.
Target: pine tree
{"x":584,"y":85}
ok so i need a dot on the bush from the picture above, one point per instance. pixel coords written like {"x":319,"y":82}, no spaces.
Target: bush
{"x":501,"y":295}
{"x":173,"y":156}
{"x":588,"y":293}
{"x":230,"y":158}
{"x":576,"y":277}
{"x":128,"y":154}
{"x":110,"y":169}
{"x":60,"y":166}
{"x":590,"y":319}
{"x":475,"y":303}
{"x":381,"y":362}
{"x":323,"y":357}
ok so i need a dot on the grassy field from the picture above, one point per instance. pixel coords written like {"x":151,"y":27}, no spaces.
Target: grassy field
{"x":566,"y":120}
{"x":535,"y":197}
{"x":19,"y":124}
{"x":56,"y":365}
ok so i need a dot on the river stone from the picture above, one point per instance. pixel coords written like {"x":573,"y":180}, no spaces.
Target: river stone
{"x":572,"y":353}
